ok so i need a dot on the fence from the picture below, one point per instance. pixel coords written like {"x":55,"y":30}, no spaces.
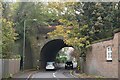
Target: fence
{"x":8,"y":67}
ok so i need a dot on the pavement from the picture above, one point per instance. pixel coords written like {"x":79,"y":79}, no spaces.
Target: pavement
{"x":24,"y":74}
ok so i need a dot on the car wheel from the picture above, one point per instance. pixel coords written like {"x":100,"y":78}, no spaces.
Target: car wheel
{"x":65,"y":67}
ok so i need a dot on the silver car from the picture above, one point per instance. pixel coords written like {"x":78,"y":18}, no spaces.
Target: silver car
{"x":50,"y":66}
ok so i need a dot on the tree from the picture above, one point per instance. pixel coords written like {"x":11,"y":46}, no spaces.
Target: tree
{"x":75,"y":37}
{"x":100,"y":18}
{"x":83,"y":23}
{"x":61,"y":58}
{"x":0,"y":33}
{"x":78,"y":24}
{"x":71,"y":32}
{"x":8,"y":38}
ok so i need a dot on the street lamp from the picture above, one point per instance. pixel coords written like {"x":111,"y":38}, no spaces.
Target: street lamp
{"x":24,"y":39}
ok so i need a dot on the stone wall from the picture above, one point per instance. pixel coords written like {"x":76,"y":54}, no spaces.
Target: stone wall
{"x":36,"y":44}
{"x":96,"y":62}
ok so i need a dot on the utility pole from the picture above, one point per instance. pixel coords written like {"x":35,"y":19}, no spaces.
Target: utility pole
{"x":24,"y":36}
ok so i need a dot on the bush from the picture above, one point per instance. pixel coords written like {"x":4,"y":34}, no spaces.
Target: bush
{"x":117,"y":30}
{"x":10,"y":56}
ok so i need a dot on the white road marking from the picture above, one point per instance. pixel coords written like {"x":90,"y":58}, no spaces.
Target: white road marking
{"x":54,"y":75}
{"x":29,"y":76}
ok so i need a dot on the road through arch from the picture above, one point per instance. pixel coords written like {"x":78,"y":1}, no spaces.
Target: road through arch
{"x":50,"y":50}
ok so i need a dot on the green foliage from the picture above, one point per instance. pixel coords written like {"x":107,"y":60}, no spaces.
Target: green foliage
{"x":78,"y":24}
{"x":117,"y":30}
{"x":83,"y":23}
{"x":75,"y":37}
{"x":8,"y":38}
{"x":0,"y":32}
{"x":101,"y":19}
{"x":61,"y":58}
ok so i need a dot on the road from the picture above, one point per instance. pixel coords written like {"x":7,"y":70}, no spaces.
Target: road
{"x":58,"y":74}
{"x":53,"y":74}
{"x":43,"y":74}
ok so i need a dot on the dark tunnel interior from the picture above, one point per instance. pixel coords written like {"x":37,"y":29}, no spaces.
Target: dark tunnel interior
{"x":50,"y":50}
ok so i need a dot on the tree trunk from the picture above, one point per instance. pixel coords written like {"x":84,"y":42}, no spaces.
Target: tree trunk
{"x":81,"y":64}
{"x":80,"y":67}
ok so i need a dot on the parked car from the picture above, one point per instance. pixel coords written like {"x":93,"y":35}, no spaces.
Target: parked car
{"x":69,"y":65}
{"x":50,"y":66}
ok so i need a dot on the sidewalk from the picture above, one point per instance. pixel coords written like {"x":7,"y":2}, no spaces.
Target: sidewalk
{"x":24,"y":74}
{"x":83,"y":75}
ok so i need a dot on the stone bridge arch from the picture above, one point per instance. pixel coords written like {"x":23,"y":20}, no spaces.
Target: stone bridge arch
{"x":39,"y":46}
{"x":50,"y":50}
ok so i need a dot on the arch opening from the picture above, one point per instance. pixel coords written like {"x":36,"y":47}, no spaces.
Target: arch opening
{"x":65,"y":54}
{"x":50,"y":50}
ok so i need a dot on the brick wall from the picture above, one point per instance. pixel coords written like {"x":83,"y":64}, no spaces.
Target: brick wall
{"x":96,"y":62}
{"x":119,"y":57}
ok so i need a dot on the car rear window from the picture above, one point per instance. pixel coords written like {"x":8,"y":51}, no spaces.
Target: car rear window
{"x":50,"y":63}
{"x":68,"y":62}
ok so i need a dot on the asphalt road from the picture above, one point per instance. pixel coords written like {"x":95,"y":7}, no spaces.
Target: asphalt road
{"x":58,"y":74}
